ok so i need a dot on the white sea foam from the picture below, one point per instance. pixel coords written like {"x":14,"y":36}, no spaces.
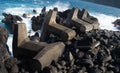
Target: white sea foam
{"x":9,"y":42}
{"x":18,"y":10}
{"x":106,"y":21}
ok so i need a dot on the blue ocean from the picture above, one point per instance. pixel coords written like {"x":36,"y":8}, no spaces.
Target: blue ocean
{"x":105,"y":14}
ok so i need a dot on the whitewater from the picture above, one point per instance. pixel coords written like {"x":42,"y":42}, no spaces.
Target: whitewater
{"x":105,"y":18}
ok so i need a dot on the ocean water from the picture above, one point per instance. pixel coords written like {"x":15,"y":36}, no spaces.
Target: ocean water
{"x":106,"y":15}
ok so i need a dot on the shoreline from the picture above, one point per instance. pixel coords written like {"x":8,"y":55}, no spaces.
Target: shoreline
{"x":65,"y":44}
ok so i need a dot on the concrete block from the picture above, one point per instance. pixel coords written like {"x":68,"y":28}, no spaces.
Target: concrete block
{"x":50,"y":53}
{"x":78,"y":23}
{"x":84,"y":23}
{"x":50,"y":26}
{"x":22,"y":46}
{"x":90,"y":19}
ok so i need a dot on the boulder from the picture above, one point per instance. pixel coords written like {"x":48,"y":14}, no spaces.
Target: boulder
{"x":117,"y":22}
{"x":4,"y":51}
{"x":34,"y":11}
{"x":10,"y":20}
{"x":37,"y":21}
{"x":26,"y":15}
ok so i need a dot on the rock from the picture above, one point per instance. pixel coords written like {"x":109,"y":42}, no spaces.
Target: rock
{"x":80,"y":54}
{"x":4,"y":51}
{"x":63,"y":63}
{"x":86,"y":62}
{"x":86,"y":44}
{"x":3,"y":35}
{"x":43,"y":11}
{"x":34,"y":11}
{"x":10,"y":20}
{"x":25,"y":15}
{"x":55,"y":9}
{"x":95,"y":70}
{"x":35,"y":37}
{"x":50,"y":69}
{"x":64,"y":14}
{"x":2,"y":68}
{"x":117,"y":22}
{"x":70,"y":56}
{"x":37,"y":22}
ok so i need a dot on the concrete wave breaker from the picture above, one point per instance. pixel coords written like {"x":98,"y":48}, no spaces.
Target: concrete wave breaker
{"x":84,"y":23}
{"x":50,"y":26}
{"x":24,"y":48}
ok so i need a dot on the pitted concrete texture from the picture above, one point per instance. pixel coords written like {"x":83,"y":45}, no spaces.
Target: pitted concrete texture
{"x":90,"y":19}
{"x":50,"y":26}
{"x":84,"y":23}
{"x":21,"y":42}
{"x":41,"y":51}
{"x":49,"y":53}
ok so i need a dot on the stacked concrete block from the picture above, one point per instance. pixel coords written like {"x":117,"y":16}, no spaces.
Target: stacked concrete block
{"x":83,"y":23}
{"x":49,"y":53}
{"x":50,"y":26}
{"x":21,"y":41}
{"x":90,"y":19}
{"x":23,"y":48}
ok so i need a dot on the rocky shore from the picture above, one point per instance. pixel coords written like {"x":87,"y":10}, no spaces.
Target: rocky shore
{"x":70,"y":42}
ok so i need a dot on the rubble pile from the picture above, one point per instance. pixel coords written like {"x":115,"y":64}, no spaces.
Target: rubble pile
{"x":70,"y":42}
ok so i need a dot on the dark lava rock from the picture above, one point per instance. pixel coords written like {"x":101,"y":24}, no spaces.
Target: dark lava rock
{"x":34,"y":11}
{"x":11,"y":65}
{"x":117,"y":22}
{"x":10,"y":20}
{"x":37,"y":21}
{"x":4,"y":54}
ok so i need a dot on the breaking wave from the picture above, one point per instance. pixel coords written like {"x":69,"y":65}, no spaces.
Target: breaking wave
{"x":106,"y":21}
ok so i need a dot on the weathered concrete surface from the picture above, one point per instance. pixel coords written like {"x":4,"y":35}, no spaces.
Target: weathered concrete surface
{"x":50,"y":26}
{"x":90,"y":19}
{"x":82,"y":23}
{"x":44,"y":53}
{"x":49,"y":53}
{"x":22,"y":45}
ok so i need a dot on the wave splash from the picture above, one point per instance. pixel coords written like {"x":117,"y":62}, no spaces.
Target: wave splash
{"x":106,"y":21}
